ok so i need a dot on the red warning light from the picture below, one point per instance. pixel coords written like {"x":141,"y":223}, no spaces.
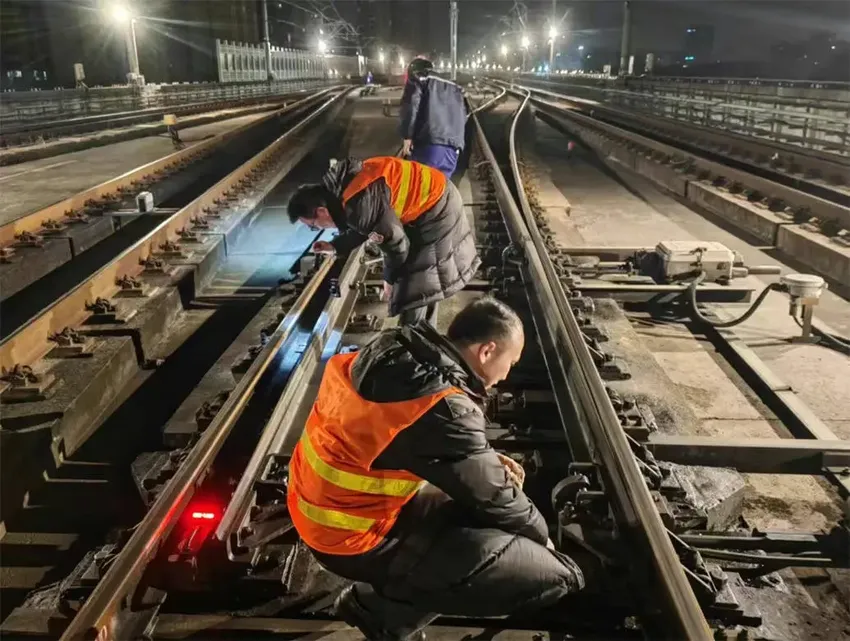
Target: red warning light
{"x":203,"y":516}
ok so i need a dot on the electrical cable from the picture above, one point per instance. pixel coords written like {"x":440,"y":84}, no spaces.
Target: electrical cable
{"x":692,"y":295}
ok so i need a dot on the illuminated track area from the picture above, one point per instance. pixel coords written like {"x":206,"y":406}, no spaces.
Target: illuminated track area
{"x":205,"y":549}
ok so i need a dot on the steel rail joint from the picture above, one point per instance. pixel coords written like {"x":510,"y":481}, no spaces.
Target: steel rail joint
{"x":633,"y":500}
{"x":100,"y":609}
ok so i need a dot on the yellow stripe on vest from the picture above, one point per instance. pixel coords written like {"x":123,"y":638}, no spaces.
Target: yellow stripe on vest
{"x":424,"y":186}
{"x":403,"y":189}
{"x":332,"y":518}
{"x":355,"y":482}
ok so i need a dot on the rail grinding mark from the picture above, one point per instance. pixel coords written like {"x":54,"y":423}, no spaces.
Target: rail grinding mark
{"x":38,"y":243}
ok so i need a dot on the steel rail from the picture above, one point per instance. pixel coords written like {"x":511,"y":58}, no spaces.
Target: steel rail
{"x":631,"y":500}
{"x":31,"y":341}
{"x":98,"y":613}
{"x":34,"y":221}
{"x":820,"y":208}
{"x":824,"y":161}
{"x":283,"y":418}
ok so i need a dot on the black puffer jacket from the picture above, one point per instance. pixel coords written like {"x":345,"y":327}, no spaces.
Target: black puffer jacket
{"x":447,"y":446}
{"x":426,"y":261}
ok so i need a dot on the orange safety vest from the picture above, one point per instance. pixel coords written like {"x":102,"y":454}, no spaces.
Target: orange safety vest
{"x":414,"y":187}
{"x":337,"y":502}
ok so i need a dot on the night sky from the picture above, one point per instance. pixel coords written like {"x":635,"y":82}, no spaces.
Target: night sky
{"x":744,"y":29}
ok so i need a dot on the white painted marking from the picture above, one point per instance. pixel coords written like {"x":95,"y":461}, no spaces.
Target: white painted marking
{"x":37,"y":169}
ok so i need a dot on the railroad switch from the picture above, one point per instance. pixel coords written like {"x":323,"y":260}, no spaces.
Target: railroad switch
{"x":151,"y":472}
{"x":590,"y":329}
{"x":70,"y":344}
{"x":364,"y":323}
{"x":25,"y":384}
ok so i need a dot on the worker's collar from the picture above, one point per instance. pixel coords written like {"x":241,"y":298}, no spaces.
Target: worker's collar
{"x":445,"y":351}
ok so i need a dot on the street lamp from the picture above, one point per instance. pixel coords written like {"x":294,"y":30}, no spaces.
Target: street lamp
{"x":526,"y":42}
{"x":553,"y":33}
{"x":323,"y":46}
{"x":121,"y":15}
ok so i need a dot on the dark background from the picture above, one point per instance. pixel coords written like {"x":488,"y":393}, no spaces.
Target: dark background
{"x":41,"y":39}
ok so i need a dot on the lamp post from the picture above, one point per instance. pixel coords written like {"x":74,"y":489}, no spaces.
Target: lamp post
{"x":526,"y":42}
{"x":553,"y":33}
{"x":122,"y":17}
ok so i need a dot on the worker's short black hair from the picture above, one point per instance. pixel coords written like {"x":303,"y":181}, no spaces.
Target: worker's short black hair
{"x":307,"y":198}
{"x":483,"y":320}
{"x":420,"y":67}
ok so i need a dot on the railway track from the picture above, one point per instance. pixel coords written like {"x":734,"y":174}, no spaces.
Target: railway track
{"x":60,"y":236}
{"x":215,"y":553}
{"x":785,"y":197}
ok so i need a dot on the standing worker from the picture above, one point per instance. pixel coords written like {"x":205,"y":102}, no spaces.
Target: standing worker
{"x":394,"y":485}
{"x":433,"y":118}
{"x":411,"y":212}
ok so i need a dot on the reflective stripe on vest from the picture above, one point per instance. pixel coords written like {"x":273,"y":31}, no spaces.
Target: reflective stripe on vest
{"x":414,"y":188}
{"x":338,"y":503}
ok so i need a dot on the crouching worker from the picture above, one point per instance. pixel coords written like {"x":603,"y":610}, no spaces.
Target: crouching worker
{"x":394,"y":485}
{"x":411,"y":212}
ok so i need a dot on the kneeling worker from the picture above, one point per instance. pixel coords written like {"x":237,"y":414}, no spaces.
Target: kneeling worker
{"x":394,"y":485}
{"x":411,"y":212}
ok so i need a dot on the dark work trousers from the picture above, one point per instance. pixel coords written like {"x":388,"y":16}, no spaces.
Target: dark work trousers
{"x":441,"y":157}
{"x":436,"y":561}
{"x":413,"y":316}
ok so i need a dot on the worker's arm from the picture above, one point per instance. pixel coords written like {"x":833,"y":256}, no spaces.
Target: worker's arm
{"x":448,"y":448}
{"x":370,"y":214}
{"x":410,"y":101}
{"x":347,"y":241}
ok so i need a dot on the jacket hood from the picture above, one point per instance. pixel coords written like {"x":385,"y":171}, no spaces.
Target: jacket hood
{"x":410,"y":362}
{"x":340,"y":174}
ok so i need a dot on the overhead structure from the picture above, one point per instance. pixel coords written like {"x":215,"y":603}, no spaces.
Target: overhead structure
{"x":453,"y":36}
{"x":625,"y":42}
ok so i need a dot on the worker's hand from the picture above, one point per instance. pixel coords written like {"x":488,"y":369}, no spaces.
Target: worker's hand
{"x":323,"y":247}
{"x":550,"y":545}
{"x":515,"y":470}
{"x":407,"y":147}
{"x":388,"y":291}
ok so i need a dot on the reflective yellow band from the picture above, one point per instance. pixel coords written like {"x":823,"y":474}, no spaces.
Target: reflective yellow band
{"x":424,"y":186}
{"x":332,"y":518}
{"x":355,"y":482}
{"x":403,"y":189}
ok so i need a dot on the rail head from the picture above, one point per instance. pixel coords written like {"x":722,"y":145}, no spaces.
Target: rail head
{"x":631,"y":498}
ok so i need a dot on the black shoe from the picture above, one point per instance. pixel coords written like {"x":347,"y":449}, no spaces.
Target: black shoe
{"x":349,"y":609}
